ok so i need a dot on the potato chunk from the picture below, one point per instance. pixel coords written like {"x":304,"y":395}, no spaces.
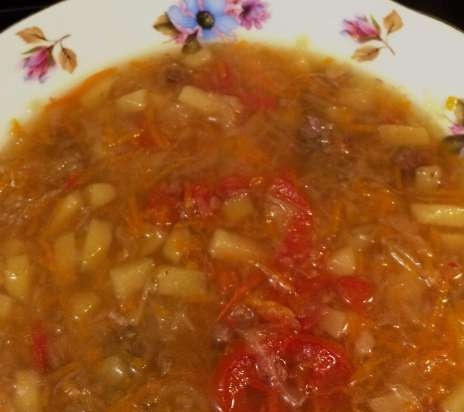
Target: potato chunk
{"x":233,"y":248}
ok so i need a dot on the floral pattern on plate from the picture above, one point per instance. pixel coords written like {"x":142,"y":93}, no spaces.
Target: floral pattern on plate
{"x":368,"y":30}
{"x":455,"y":106}
{"x":195,"y":22}
{"x":42,"y":58}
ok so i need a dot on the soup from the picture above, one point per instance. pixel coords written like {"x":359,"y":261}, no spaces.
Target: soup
{"x":239,"y":229}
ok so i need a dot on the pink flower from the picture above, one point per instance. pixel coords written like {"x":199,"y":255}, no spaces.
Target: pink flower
{"x":38,"y":63}
{"x":253,"y":14}
{"x":457,"y":129}
{"x":361,"y":29}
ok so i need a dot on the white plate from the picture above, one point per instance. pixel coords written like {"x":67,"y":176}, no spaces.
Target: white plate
{"x":427,"y":61}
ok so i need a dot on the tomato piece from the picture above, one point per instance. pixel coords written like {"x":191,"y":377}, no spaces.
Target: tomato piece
{"x":258,"y":102}
{"x":164,"y":204}
{"x":236,"y":385}
{"x":275,"y":403}
{"x":40,"y":347}
{"x":313,"y":366}
{"x":199,"y":200}
{"x":307,"y":302}
{"x":226,"y":282}
{"x":296,"y":245}
{"x":321,"y":365}
{"x":250,"y":283}
{"x":231,"y":186}
{"x":313,"y":288}
{"x":285,"y":190}
{"x":72,"y":181}
{"x":354,"y":291}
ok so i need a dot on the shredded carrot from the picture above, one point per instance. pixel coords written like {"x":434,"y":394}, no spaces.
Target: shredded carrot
{"x":247,"y":150}
{"x":133,"y":219}
{"x":336,"y":216}
{"x":60,"y":277}
{"x":398,"y":175}
{"x":251,"y":283}
{"x":59,"y":373}
{"x":82,"y":89}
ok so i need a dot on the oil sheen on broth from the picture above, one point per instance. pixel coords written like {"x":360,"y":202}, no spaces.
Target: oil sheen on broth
{"x":240,"y":229}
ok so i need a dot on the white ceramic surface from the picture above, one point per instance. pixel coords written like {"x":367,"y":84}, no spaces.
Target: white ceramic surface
{"x":428,"y":62}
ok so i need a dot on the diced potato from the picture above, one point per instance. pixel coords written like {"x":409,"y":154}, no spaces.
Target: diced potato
{"x":98,"y":92}
{"x":82,"y":304}
{"x":178,"y":243}
{"x":6,"y":306}
{"x":96,"y":244}
{"x":452,"y":242}
{"x":334,"y":322}
{"x":233,"y":248}
{"x":152,"y":241}
{"x":130,"y":278}
{"x":133,"y":102}
{"x":18,"y":276}
{"x":113,"y":370}
{"x":206,"y":102}
{"x":342,"y":262}
{"x":399,"y":135}
{"x":181,"y":283}
{"x":238,"y":208}
{"x":199,"y":58}
{"x":438,"y":214}
{"x":27,"y":392}
{"x":364,"y":343}
{"x":454,"y":402}
{"x":66,"y":209}
{"x":428,"y":178}
{"x":99,"y":194}
{"x":224,"y":107}
{"x":404,"y":295}
{"x":66,"y":253}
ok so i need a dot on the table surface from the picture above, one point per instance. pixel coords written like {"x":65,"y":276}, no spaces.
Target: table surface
{"x":12,"y":11}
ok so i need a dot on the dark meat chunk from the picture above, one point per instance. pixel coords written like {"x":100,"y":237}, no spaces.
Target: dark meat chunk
{"x":408,"y":159}
{"x":314,"y":133}
{"x":176,"y":74}
{"x":455,"y":143}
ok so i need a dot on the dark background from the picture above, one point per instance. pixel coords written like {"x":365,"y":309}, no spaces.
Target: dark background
{"x":13,"y":10}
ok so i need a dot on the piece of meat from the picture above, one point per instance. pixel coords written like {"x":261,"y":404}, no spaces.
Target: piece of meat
{"x":408,"y":159}
{"x":175,"y":74}
{"x":314,"y":132}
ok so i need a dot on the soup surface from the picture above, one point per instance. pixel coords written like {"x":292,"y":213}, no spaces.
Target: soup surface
{"x":240,"y":229}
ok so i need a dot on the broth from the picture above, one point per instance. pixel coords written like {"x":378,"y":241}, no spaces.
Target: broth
{"x":240,"y":229}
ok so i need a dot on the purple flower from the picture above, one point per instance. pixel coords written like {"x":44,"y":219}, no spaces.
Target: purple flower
{"x":361,"y":29}
{"x":253,"y":14}
{"x":209,"y":19}
{"x":38,"y":63}
{"x":457,"y":129}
